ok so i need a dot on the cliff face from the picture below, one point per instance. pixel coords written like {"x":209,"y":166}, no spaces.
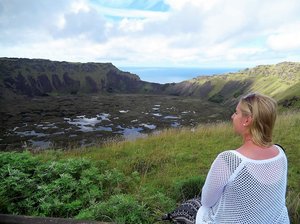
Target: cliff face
{"x":36,"y":77}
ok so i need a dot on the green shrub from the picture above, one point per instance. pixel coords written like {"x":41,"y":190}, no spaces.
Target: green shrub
{"x":59,"y":188}
{"x":120,"y":208}
{"x":157,"y":202}
{"x":188,"y":188}
{"x":16,"y":184}
{"x":218,"y":98}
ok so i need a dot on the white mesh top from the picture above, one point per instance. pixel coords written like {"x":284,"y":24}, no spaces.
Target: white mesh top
{"x":242,"y":190}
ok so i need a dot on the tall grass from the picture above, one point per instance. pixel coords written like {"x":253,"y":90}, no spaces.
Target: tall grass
{"x":174,"y":159}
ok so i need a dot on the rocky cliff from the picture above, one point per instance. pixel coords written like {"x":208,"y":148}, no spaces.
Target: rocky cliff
{"x":38,"y":77}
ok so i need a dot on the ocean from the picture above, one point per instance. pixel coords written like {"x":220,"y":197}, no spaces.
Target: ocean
{"x":169,"y":75}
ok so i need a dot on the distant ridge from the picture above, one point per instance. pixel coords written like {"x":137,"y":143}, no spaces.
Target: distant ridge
{"x":281,"y":81}
{"x":40,"y":77}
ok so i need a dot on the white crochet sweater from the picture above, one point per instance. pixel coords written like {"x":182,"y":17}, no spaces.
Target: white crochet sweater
{"x":242,"y":190}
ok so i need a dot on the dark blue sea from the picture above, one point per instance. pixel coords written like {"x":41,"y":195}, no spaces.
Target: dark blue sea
{"x":169,"y":75}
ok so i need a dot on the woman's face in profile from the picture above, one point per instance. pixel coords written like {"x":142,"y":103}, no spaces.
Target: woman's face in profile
{"x":237,"y":120}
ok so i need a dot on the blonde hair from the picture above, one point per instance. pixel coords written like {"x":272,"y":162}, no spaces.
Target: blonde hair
{"x":263,"y":110}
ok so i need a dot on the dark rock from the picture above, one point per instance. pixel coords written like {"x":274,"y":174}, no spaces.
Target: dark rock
{"x":91,"y":84}
{"x":27,"y":119}
{"x":89,"y":67}
{"x":34,"y":86}
{"x":72,"y":85}
{"x":44,"y":83}
{"x":9,"y":82}
{"x":57,"y":84}
{"x":22,"y":86}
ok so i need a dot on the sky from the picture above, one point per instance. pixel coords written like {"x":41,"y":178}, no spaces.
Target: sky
{"x":153,"y":33}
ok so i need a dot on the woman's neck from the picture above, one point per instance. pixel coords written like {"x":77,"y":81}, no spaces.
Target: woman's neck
{"x":254,"y":151}
{"x":247,"y":138}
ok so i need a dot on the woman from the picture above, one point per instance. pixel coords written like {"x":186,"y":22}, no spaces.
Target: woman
{"x":246,"y":185}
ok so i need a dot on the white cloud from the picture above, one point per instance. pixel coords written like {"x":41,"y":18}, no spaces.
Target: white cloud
{"x":80,"y":5}
{"x":87,"y":24}
{"x":29,"y":21}
{"x":285,"y":41}
{"x":190,"y":33}
{"x":200,"y":4}
{"x":30,"y":13}
{"x":132,"y":25}
{"x":286,"y":38}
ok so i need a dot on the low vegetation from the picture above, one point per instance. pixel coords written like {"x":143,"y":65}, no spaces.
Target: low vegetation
{"x":134,"y":181}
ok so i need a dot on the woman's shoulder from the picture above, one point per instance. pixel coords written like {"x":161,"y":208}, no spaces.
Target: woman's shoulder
{"x":227,"y":153}
{"x":259,"y":155}
{"x":228,"y":159}
{"x":280,"y":147}
{"x":230,"y":156}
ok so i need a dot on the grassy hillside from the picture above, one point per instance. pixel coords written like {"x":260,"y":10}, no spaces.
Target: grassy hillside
{"x":281,"y":81}
{"x":165,"y":168}
{"x":274,"y":80}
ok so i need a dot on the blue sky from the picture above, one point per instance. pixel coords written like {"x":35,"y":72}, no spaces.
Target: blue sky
{"x":158,"y":33}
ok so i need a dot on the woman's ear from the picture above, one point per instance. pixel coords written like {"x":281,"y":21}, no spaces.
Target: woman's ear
{"x":247,"y":121}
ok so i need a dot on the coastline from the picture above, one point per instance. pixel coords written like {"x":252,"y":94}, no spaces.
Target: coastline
{"x":165,"y":75}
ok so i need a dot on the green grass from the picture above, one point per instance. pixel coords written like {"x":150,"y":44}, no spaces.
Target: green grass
{"x":280,"y":81}
{"x":293,"y":90}
{"x":175,"y":155}
{"x":173,"y":152}
{"x":176,"y":161}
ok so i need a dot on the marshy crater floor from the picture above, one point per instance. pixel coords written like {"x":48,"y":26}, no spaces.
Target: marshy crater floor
{"x":64,"y":122}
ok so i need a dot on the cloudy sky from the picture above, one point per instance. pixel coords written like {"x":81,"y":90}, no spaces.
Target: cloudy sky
{"x":166,"y":33}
